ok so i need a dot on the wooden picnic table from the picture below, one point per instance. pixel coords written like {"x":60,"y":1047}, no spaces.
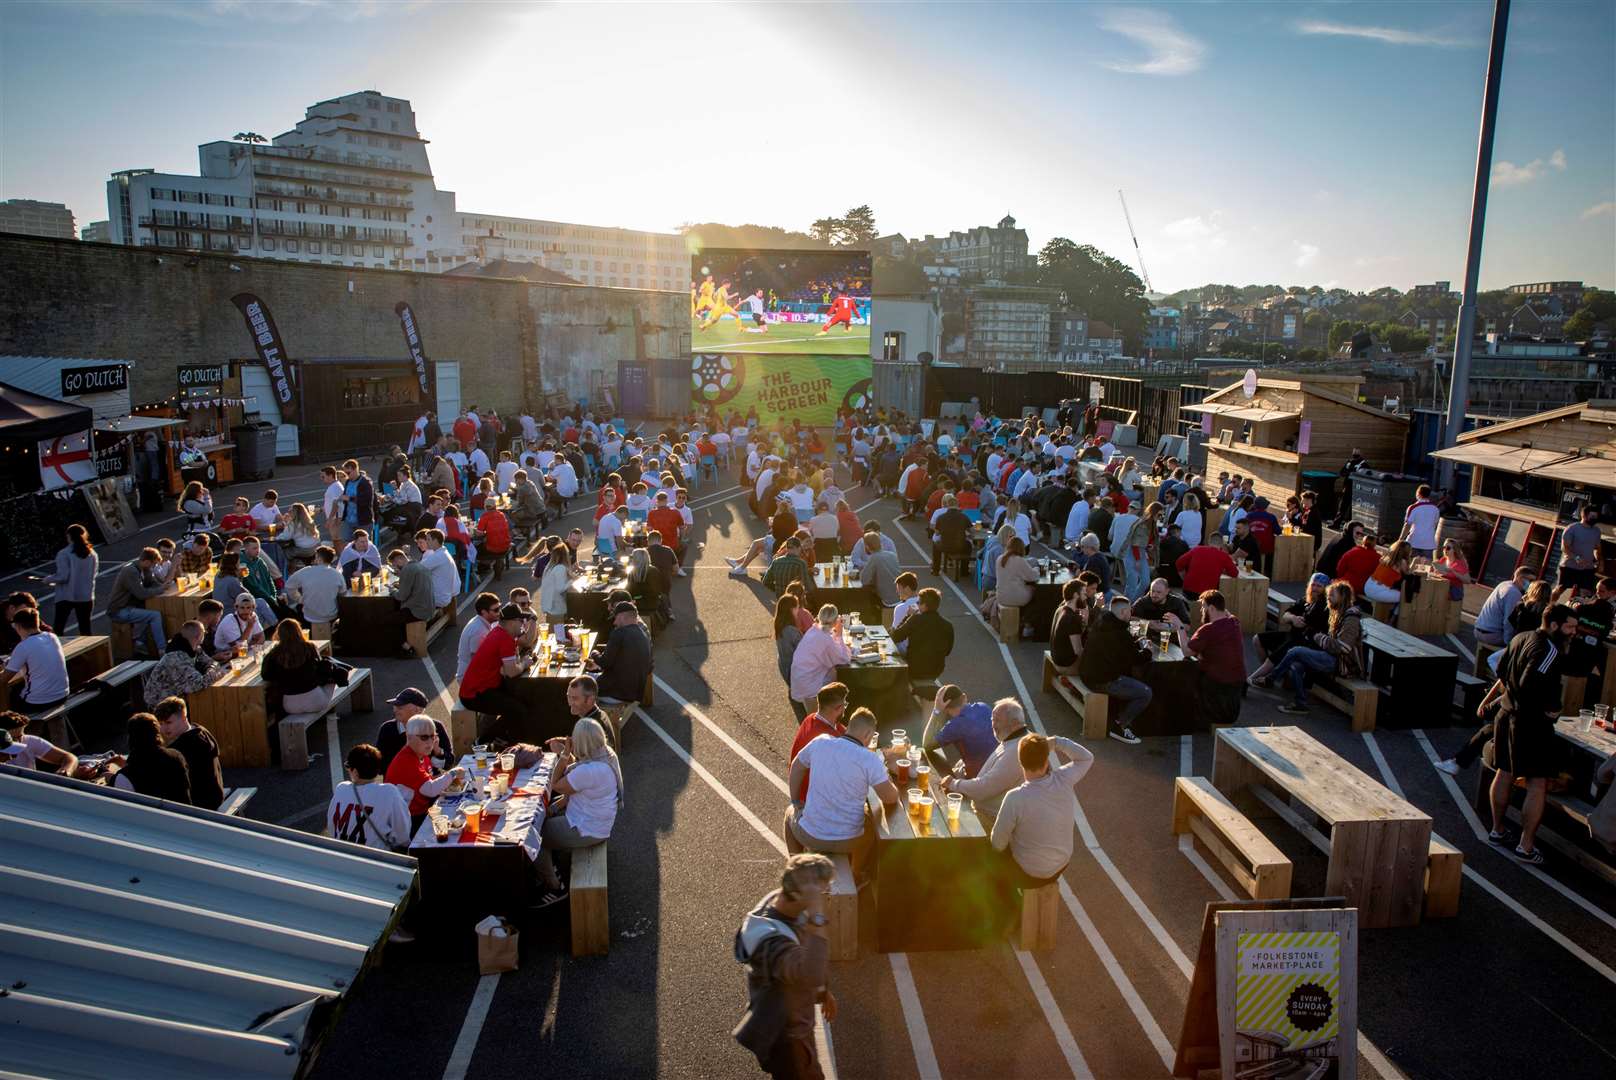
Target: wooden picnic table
{"x":236,"y":710}
{"x":1378,"y":843}
{"x":1039,"y":612}
{"x":87,"y":656}
{"x":1416,"y":676}
{"x":1247,"y":597}
{"x":1173,"y":678}
{"x":1293,"y":556}
{"x":934,"y":882}
{"x":544,"y":692}
{"x":366,"y":620}
{"x":874,"y":683}
{"x":181,"y":601}
{"x":586,"y":597}
{"x":1429,"y":609}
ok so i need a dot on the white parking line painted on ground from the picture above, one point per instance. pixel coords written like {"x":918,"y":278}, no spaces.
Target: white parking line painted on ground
{"x":914,"y":1018}
{"x":724,"y":736}
{"x":1386,"y":773}
{"x":471,"y":1028}
{"x":333,"y":749}
{"x":822,"y":1033}
{"x":1057,"y":1023}
{"x":1125,"y":987}
{"x":1481,"y":831}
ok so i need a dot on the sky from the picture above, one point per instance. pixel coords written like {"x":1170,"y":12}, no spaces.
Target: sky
{"x":1287,"y":143}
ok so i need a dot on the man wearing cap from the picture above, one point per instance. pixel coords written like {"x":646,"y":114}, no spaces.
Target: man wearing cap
{"x":498,"y":657}
{"x":624,"y":662}
{"x":26,"y":751}
{"x":407,"y":704}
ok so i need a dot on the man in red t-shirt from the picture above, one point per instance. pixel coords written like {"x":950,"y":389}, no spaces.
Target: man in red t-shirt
{"x":411,"y":768}
{"x":497,"y":658}
{"x":1203,"y":565}
{"x":1358,"y":563}
{"x":465,"y":433}
{"x":827,"y":721}
{"x":493,"y":533}
{"x":238,"y":522}
{"x":666,"y":520}
{"x":1221,"y":648}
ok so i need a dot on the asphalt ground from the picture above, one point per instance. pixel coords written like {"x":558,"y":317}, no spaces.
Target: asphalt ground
{"x":1514,"y":986}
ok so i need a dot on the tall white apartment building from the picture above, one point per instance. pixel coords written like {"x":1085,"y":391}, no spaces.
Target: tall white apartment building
{"x":34,"y":218}
{"x":351,"y":185}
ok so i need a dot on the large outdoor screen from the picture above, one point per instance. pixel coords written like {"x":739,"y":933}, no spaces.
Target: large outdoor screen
{"x":815,"y":302}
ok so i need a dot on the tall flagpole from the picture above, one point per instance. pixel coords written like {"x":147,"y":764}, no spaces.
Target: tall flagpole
{"x":1459,"y":385}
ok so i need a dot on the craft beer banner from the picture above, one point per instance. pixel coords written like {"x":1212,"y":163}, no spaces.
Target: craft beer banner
{"x":412,"y":340}
{"x":785,"y":386}
{"x":272,"y":351}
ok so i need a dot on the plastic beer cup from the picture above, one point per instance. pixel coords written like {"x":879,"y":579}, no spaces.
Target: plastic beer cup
{"x":923,"y":776}
{"x":474,"y":817}
{"x":923,"y":816}
{"x":914,"y":802}
{"x":952,"y":807}
{"x":902,"y":767}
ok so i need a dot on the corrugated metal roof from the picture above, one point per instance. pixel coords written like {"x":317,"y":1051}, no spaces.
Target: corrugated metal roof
{"x":139,"y":938}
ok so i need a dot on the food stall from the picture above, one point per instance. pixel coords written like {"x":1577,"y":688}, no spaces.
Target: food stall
{"x":206,"y":405}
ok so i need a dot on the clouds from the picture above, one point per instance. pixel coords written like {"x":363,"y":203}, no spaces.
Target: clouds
{"x":1306,"y":255}
{"x":1197,"y":234}
{"x":1169,"y":49}
{"x":1386,"y":35}
{"x":216,"y":12}
{"x":1508,"y":174}
{"x":1599,"y":210}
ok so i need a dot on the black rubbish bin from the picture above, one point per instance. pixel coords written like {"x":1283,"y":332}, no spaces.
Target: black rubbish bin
{"x":255,"y":450}
{"x":1322,"y":482}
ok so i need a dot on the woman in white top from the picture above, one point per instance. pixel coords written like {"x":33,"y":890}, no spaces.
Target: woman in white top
{"x":555,"y":582}
{"x":1190,"y":520}
{"x":305,"y":533}
{"x":588,"y":787}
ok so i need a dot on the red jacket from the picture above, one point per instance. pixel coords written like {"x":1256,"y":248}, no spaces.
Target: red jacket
{"x":1356,"y":565}
{"x":810,"y":729}
{"x":1201,"y":567}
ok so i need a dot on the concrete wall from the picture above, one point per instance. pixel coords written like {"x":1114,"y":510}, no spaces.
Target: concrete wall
{"x":514,"y":340}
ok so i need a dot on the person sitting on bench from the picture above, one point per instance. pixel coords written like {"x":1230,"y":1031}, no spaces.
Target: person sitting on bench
{"x":1339,"y":651}
{"x":586,"y":794}
{"x":1033,"y":830}
{"x":498,"y":657}
{"x":624,"y":662}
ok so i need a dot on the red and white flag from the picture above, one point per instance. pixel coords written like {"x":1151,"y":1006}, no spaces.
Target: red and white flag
{"x":65,"y":461}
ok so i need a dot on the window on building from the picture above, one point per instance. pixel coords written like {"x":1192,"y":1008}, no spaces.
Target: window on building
{"x":267,"y":244}
{"x":373,"y":103}
{"x":291,"y":245}
{"x":393,"y":125}
{"x":377,"y":252}
{"x":314,"y":247}
{"x":892,"y":345}
{"x":598,"y":267}
{"x":336,"y":249}
{"x":393,"y":106}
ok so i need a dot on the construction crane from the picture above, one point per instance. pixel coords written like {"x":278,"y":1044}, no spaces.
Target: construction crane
{"x":1143,"y":273}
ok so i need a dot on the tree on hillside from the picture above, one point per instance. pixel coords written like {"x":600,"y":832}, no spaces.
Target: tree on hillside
{"x":1341,"y":332}
{"x":1598,"y":308}
{"x":825,"y":230}
{"x":857,"y":227}
{"x":714,"y":234}
{"x":1098,"y":285}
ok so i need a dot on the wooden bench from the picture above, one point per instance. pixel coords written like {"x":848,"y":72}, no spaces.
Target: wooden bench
{"x":1251,"y":858}
{"x":1092,"y":706}
{"x":1444,"y":870}
{"x":327,"y":630}
{"x":617,"y":715}
{"x":419,"y":636}
{"x":1040,"y":909}
{"x":58,"y":723}
{"x":236,"y":800}
{"x":591,"y":923}
{"x":842,"y":910}
{"x":1483,"y":651}
{"x":294,"y":729}
{"x":1358,"y":698}
{"x":127,"y":676}
{"x":465,"y":727}
{"x":1009,"y":624}
{"x":1467,"y":694}
{"x":1278,"y":602}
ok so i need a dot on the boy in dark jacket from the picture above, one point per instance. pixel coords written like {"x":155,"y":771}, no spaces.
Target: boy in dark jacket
{"x":1110,"y":656}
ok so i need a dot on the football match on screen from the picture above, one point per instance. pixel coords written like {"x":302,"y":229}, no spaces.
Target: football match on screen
{"x":814,"y":302}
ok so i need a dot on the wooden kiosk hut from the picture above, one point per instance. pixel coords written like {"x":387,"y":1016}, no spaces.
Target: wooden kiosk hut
{"x":1278,"y":430}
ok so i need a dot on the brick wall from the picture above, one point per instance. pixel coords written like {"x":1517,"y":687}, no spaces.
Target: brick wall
{"x":512,"y":339}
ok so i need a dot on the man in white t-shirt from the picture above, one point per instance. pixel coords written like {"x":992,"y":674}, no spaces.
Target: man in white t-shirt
{"x":28,"y":751}
{"x":333,"y":504}
{"x":840,"y":770}
{"x":478,"y":460}
{"x":487,"y":606}
{"x":365,"y":809}
{"x":268,"y":512}
{"x":37,"y":663}
{"x":1108,"y":450}
{"x":241,"y":624}
{"x":1420,"y":522}
{"x":441,"y":565}
{"x":609,"y":531}
{"x":504,"y":471}
{"x":565,"y":477}
{"x":530,"y":428}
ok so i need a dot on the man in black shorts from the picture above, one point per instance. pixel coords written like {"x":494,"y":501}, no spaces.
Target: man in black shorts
{"x":1524,"y":742}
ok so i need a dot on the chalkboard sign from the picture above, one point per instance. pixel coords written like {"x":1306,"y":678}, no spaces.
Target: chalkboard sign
{"x":1508,"y":539}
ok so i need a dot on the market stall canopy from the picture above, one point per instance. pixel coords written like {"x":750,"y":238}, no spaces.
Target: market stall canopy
{"x":146,"y":939}
{"x":1510,"y":459}
{"x":28,"y":417}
